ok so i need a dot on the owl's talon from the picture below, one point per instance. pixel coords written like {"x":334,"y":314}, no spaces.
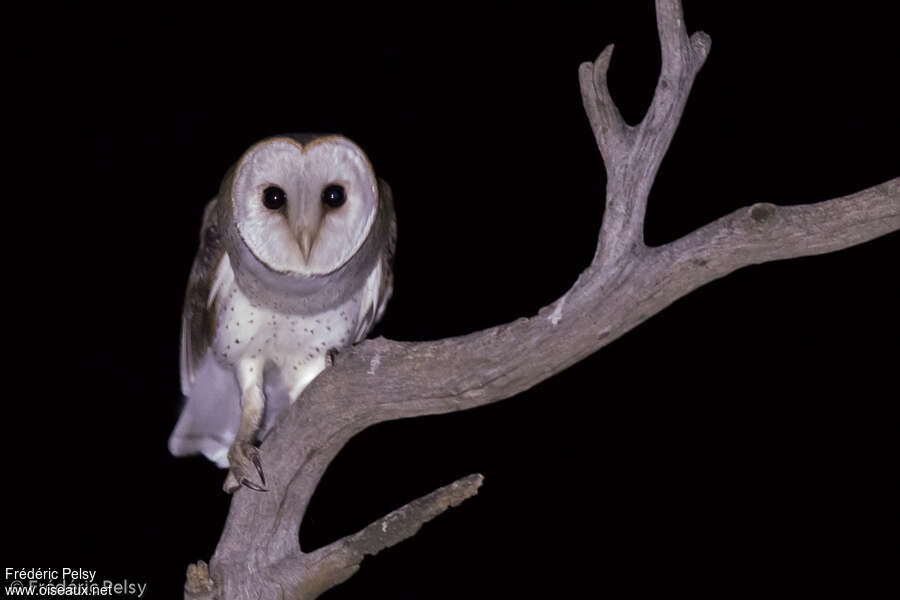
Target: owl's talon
{"x":249,"y":484}
{"x":258,"y":464}
{"x":240,"y":457}
{"x":231,"y":484}
{"x":330,"y":356}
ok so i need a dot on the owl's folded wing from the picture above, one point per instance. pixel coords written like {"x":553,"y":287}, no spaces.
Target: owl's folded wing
{"x":208,"y":420}
{"x":198,"y":319}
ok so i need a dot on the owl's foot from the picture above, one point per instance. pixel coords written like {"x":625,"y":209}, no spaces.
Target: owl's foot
{"x":240,"y":457}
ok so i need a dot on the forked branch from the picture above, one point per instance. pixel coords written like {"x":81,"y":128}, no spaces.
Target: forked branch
{"x":259,"y":555}
{"x":632,"y":155}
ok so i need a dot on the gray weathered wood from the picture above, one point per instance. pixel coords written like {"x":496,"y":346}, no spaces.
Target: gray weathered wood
{"x":627,"y":282}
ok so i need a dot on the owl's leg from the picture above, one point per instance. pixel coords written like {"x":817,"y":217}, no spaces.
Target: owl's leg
{"x":243,"y":456}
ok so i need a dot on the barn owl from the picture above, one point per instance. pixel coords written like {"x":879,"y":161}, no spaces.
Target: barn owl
{"x":294,"y":262}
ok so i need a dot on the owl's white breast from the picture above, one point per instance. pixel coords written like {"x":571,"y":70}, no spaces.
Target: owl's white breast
{"x":254,"y":338}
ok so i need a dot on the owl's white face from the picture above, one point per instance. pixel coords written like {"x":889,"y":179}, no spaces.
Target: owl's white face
{"x":304,"y":209}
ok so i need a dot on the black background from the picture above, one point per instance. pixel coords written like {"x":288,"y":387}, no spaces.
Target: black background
{"x":741,"y":438}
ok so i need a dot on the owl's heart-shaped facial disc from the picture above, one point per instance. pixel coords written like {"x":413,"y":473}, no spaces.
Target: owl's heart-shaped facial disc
{"x":301,"y":208}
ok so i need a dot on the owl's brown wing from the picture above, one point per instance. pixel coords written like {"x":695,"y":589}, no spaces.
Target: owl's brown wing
{"x":198,"y":319}
{"x":211,"y":411}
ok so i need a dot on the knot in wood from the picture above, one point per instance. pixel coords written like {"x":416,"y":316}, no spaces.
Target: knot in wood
{"x":762,"y":212}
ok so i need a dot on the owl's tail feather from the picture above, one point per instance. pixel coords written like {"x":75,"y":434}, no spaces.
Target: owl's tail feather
{"x":210,"y":416}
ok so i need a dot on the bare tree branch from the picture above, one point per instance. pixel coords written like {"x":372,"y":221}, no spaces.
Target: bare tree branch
{"x":632,"y":155}
{"x":259,"y":555}
{"x":335,"y":563}
{"x":344,"y":556}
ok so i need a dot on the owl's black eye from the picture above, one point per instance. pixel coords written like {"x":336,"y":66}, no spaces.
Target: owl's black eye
{"x":274,"y":197}
{"x":334,"y":195}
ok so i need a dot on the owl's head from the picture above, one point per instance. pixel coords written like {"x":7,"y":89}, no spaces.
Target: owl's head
{"x":300,"y":206}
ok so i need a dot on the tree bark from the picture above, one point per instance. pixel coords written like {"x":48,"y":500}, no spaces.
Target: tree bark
{"x":259,"y":554}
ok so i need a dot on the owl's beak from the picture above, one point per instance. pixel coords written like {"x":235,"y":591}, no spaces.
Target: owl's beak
{"x":306,"y":238}
{"x":306,"y":221}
